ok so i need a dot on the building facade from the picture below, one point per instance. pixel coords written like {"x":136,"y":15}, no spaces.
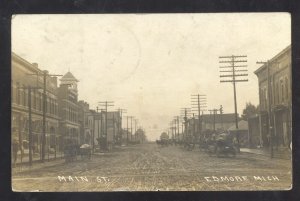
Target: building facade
{"x":25,"y":75}
{"x":69,"y":125}
{"x":107,"y":128}
{"x":86,"y":121}
{"x":217,"y":121}
{"x":280,"y":102}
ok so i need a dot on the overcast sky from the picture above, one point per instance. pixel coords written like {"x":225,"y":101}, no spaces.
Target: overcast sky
{"x":150,"y":64}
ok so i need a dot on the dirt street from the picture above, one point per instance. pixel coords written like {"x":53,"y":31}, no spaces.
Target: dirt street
{"x":149,"y":167}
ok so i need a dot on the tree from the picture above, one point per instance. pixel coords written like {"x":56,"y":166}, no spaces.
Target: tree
{"x":249,"y":111}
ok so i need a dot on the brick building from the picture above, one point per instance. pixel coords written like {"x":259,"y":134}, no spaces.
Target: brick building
{"x":25,"y":74}
{"x":69,"y":125}
{"x":280,"y":102}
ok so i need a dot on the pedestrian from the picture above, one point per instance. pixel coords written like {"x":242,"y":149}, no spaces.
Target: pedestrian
{"x":15,"y":149}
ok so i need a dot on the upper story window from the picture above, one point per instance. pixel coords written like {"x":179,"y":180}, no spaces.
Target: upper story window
{"x":282,"y":90}
{"x":286,"y":88}
{"x":277,"y":93}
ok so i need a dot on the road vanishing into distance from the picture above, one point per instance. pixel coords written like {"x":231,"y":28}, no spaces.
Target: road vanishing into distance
{"x":150,"y":167}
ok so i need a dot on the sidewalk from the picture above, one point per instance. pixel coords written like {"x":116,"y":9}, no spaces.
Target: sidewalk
{"x":51,"y":160}
{"x":282,"y":153}
{"x":36,"y":157}
{"x":37,"y":164}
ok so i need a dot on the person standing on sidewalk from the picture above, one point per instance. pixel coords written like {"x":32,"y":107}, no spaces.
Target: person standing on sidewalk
{"x":15,"y":149}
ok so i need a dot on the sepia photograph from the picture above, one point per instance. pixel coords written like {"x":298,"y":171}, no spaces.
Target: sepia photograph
{"x":151,"y":102}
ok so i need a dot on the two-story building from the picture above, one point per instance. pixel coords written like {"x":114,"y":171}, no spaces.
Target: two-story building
{"x":25,"y":75}
{"x":279,"y":99}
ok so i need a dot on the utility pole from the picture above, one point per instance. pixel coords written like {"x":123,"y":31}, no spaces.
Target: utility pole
{"x":199,"y":102}
{"x":175,"y":134}
{"x":98,"y":127}
{"x":106,"y":104}
{"x":194,"y":125}
{"x":127,"y":130}
{"x":121,"y":111}
{"x":267,"y":63}
{"x":178,"y":126}
{"x":214,"y":111}
{"x":221,"y":115}
{"x":135,"y":124}
{"x":128,"y":117}
{"x":185,"y":117}
{"x":232,"y":72}
{"x":29,"y":88}
{"x":45,"y":75}
{"x":114,"y":131}
{"x":131,"y":117}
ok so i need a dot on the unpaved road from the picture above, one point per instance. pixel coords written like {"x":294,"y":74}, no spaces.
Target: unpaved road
{"x":149,"y":167}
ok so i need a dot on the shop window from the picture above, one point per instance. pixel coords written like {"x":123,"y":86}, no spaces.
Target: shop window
{"x":24,"y":97}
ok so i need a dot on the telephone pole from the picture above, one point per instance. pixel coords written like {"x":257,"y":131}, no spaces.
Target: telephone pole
{"x":232,"y":72}
{"x":45,"y":74}
{"x":106,"y":104}
{"x":127,"y":130}
{"x":178,"y":126}
{"x":270,"y":130}
{"x":135,"y":125}
{"x":131,"y":117}
{"x":199,"y":102}
{"x":121,"y":111}
{"x":186,"y":114}
{"x":221,"y":115}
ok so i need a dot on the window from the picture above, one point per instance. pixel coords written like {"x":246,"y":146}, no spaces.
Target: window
{"x":18,"y":93}
{"x":282,"y":90}
{"x":271,"y":93}
{"x":34,"y":99}
{"x":266,"y":97}
{"x":286,"y":88}
{"x":40,"y":101}
{"x":86,"y":121}
{"x":24,"y":97}
{"x":277,"y":93}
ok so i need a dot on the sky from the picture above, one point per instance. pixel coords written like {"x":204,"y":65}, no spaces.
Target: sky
{"x":151,"y":64}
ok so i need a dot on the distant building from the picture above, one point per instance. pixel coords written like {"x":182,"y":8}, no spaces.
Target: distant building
{"x":210,"y":122}
{"x":25,"y":74}
{"x":280,"y":102}
{"x":108,"y":133}
{"x":218,"y":121}
{"x":241,"y":132}
{"x":69,"y":109}
{"x":86,"y":121}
